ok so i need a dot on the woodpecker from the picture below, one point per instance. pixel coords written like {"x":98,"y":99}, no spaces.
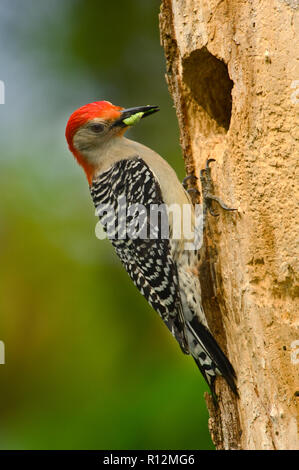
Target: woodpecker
{"x":163,"y":270}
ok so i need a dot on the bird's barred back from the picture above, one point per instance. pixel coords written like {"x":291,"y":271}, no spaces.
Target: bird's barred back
{"x":148,"y":261}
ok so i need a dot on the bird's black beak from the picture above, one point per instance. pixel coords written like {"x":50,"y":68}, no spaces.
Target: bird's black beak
{"x":131,"y":116}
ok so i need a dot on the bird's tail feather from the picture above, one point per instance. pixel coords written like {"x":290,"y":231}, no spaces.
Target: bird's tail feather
{"x":208,"y":355}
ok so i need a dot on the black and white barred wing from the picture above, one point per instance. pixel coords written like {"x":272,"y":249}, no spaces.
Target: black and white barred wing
{"x":126,"y":195}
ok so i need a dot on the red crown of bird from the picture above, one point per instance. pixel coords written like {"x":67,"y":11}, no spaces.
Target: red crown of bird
{"x":97,"y":109}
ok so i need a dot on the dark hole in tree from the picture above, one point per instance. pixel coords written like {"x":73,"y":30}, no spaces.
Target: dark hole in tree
{"x":210,"y":85}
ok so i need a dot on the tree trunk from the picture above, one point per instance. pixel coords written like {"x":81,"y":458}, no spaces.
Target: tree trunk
{"x":231,"y":70}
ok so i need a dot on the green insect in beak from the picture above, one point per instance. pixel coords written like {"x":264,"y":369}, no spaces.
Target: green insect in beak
{"x":132,"y":120}
{"x":130,"y":116}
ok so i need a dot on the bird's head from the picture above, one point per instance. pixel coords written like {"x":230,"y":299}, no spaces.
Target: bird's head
{"x":92,"y":126}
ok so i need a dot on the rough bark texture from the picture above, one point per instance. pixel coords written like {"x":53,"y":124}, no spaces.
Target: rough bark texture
{"x":231,"y":69}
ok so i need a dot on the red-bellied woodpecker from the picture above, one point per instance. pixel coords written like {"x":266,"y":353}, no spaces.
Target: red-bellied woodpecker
{"x":123,"y":174}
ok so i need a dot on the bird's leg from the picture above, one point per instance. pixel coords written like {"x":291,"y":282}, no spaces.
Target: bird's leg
{"x":191,"y":177}
{"x":192,"y":190}
{"x":208,"y":190}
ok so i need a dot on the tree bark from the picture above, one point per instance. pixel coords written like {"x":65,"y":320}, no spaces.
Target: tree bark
{"x":231,"y":70}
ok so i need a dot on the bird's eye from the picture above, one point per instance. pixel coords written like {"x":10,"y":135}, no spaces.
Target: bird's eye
{"x":97,"y":128}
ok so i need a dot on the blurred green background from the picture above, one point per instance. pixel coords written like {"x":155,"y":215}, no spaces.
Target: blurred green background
{"x":88,"y":363}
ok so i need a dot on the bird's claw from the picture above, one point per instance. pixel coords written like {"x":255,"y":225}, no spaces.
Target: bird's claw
{"x":221,"y":204}
{"x":193,"y":191}
{"x":207,"y":189}
{"x":188,"y":178}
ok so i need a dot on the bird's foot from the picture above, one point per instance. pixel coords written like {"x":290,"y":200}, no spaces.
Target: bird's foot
{"x":208,"y":190}
{"x":188,"y":184}
{"x":191,"y":177}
